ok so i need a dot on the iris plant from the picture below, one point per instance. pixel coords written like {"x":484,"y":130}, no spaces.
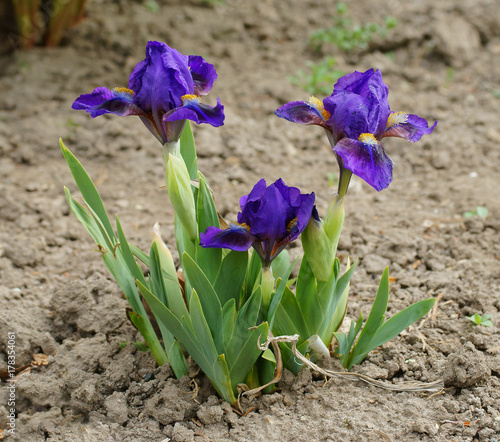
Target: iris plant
{"x":270,"y":218}
{"x":164,"y":90}
{"x":226,"y":304}
{"x":356,"y":116}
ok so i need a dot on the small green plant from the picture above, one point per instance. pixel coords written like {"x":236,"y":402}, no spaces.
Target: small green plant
{"x":347,"y":35}
{"x":483,"y":320}
{"x":480,"y":211}
{"x":319,"y":78}
{"x":152,"y":6}
{"x":141,"y":346}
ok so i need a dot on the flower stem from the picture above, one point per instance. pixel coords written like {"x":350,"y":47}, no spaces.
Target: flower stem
{"x":345,"y":179}
{"x":173,"y":148}
{"x":267,"y":286}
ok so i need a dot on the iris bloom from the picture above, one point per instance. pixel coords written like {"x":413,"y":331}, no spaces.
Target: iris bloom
{"x":164,"y":90}
{"x":356,"y":116}
{"x":270,"y":218}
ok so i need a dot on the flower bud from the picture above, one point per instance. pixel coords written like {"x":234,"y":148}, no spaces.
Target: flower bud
{"x":318,"y":247}
{"x":181,"y":195}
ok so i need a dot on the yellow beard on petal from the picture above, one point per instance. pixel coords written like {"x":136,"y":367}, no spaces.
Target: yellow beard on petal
{"x":123,"y":90}
{"x":396,"y":118}
{"x":367,"y":138}
{"x":190,"y":97}
{"x":318,"y":105}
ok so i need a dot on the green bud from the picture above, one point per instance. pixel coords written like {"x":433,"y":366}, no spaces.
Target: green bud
{"x":334,"y":221}
{"x":318,"y":249}
{"x":267,"y":285}
{"x":181,"y":195}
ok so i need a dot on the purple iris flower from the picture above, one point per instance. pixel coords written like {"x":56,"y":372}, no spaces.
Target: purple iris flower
{"x":356,"y":116}
{"x":270,"y":218}
{"x":164,"y":90}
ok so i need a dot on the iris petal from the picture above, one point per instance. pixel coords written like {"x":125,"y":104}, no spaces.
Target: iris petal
{"x":203,"y":74}
{"x":367,"y":159}
{"x":194,"y":110}
{"x":408,"y":126}
{"x":103,"y":101}
{"x":236,"y":237}
{"x":304,"y":112}
{"x":161,"y":79}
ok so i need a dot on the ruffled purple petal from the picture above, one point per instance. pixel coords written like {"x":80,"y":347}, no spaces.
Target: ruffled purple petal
{"x":366,"y":159}
{"x":408,"y":126}
{"x":269,"y":224}
{"x":358,"y":105}
{"x":193,"y":109}
{"x":161,"y":80}
{"x":368,"y":84}
{"x":103,"y":101}
{"x":250,"y":203}
{"x":350,"y":114}
{"x":203,"y":74}
{"x":304,"y":112}
{"x":235,"y":237}
{"x":283,"y":214}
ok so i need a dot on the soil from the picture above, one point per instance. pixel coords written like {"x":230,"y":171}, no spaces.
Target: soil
{"x":442,"y":62}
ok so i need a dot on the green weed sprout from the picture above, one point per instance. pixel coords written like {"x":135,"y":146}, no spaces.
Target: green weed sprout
{"x":480,"y":211}
{"x":347,"y":35}
{"x":483,"y":320}
{"x":318,"y":77}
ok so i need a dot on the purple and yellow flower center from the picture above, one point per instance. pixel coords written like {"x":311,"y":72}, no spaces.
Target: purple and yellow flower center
{"x":292,"y":224}
{"x":368,"y":138}
{"x":190,"y":98}
{"x":317,"y":104}
{"x":396,"y":118}
{"x":123,"y":91}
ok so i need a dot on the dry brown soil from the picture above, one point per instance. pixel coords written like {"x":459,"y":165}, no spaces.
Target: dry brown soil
{"x":442,"y":61}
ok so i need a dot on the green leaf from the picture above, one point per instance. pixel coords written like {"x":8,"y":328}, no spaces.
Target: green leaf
{"x":132,"y":265}
{"x":288,"y":319}
{"x":482,"y":212}
{"x":333,"y":303}
{"x":164,"y":267}
{"x":281,"y":284}
{"x":345,"y":342}
{"x":281,"y":264}
{"x":144,"y":326}
{"x":209,"y":259}
{"x":241,"y":350}
{"x":213,"y":365}
{"x":188,"y":150}
{"x":231,"y":276}
{"x":253,"y":275}
{"x":87,"y":188}
{"x":375,"y":318}
{"x":209,"y":299}
{"x":393,"y":327}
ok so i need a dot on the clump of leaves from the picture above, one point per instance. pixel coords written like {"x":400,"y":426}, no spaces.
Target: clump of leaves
{"x":480,"y":211}
{"x":483,"y":320}
{"x":45,"y":22}
{"x":347,"y":35}
{"x":318,"y":78}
